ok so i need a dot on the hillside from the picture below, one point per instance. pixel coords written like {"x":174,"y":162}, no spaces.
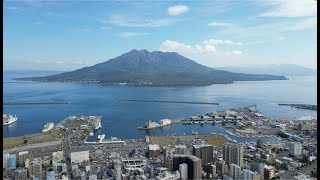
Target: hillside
{"x":153,"y":68}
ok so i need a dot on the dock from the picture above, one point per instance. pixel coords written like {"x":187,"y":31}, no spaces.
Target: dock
{"x":161,"y":101}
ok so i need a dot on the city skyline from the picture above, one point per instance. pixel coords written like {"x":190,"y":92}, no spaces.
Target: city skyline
{"x":41,"y":35}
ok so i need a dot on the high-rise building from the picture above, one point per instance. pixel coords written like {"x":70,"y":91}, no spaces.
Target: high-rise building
{"x":168,"y":157}
{"x":259,"y":143}
{"x":181,"y":149}
{"x":269,"y":172}
{"x":183,"y":170}
{"x":22,"y":157}
{"x":194,"y":165}
{"x":250,"y":175}
{"x":35,"y":169}
{"x":261,"y":171}
{"x":203,"y":152}
{"x":117,"y":169}
{"x":5,"y":160}
{"x":221,"y":168}
{"x":211,"y":169}
{"x":233,"y":154}
{"x":12,"y":161}
{"x":50,"y":175}
{"x":295,"y":148}
{"x":235,"y":172}
{"x":153,"y":150}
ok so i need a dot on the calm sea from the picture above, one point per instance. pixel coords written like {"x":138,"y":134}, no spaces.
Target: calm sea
{"x":121,"y":118}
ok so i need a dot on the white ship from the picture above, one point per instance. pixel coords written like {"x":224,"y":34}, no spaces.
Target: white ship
{"x":9,"y":119}
{"x":97,"y":125}
{"x":47,"y":127}
{"x":101,"y":137}
{"x":194,"y":133}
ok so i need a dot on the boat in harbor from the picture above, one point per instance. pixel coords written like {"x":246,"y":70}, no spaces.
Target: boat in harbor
{"x":194,"y":132}
{"x":101,"y":137}
{"x":91,"y":134}
{"x":47,"y":127}
{"x":9,"y":119}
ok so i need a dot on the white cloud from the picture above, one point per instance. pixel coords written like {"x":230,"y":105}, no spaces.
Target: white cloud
{"x":59,"y":62}
{"x":219,"y":24}
{"x":178,"y":9}
{"x":237,"y":52}
{"x":221,"y":42}
{"x":290,"y":8}
{"x":307,"y":23}
{"x":206,"y":47}
{"x":120,"y":20}
{"x":133,"y":34}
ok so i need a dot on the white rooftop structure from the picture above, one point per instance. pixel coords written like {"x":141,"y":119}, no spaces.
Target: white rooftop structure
{"x":154,"y":147}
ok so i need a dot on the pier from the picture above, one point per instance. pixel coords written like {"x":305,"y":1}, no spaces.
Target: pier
{"x":32,"y":103}
{"x":160,"y":101}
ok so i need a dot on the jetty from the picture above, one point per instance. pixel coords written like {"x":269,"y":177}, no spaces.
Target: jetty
{"x":161,"y":101}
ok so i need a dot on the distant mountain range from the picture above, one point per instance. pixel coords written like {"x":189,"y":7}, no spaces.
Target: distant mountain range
{"x":282,"y":69}
{"x":141,"y":67}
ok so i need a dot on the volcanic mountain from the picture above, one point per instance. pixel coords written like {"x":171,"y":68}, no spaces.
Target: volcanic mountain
{"x":141,"y":67}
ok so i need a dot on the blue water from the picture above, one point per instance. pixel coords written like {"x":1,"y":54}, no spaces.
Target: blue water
{"x":121,"y":118}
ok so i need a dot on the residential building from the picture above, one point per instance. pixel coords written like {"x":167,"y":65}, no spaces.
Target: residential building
{"x":233,"y":154}
{"x":235,"y":172}
{"x":194,"y":165}
{"x":203,"y":152}
{"x":295,"y":148}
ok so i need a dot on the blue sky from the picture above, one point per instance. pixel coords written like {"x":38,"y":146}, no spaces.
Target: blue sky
{"x":66,"y":35}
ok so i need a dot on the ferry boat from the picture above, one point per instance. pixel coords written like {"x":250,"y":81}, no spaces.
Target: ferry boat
{"x":101,"y":137}
{"x":47,"y":127}
{"x":194,"y":132}
{"x":9,"y":119}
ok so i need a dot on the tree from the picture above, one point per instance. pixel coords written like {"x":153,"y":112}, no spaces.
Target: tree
{"x":25,"y":141}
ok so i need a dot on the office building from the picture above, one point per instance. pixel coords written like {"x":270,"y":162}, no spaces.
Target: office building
{"x":203,"y":152}
{"x":250,"y":175}
{"x":79,"y":157}
{"x":153,"y":150}
{"x":235,"y":172}
{"x":183,"y":170}
{"x":295,"y":148}
{"x":194,"y":165}
{"x":233,"y":154}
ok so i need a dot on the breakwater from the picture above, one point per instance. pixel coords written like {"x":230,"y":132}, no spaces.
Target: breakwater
{"x":160,"y":101}
{"x":301,"y":106}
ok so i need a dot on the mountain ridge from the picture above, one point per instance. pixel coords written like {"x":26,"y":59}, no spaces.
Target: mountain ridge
{"x":141,"y":67}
